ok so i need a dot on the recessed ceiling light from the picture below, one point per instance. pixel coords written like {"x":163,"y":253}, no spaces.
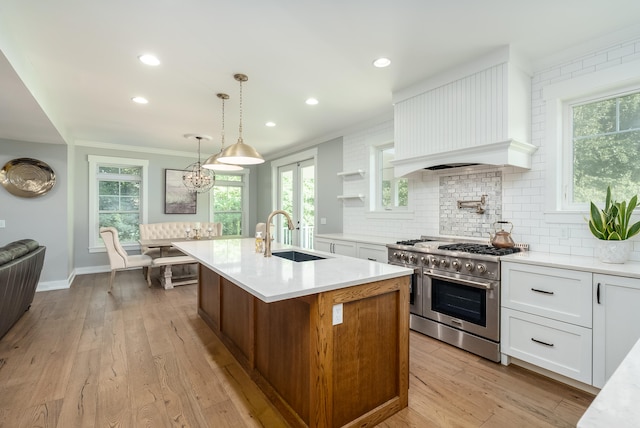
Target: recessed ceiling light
{"x":311,"y":101}
{"x":270,"y":124}
{"x":382,"y":62}
{"x":149,"y":59}
{"x":140,"y":100}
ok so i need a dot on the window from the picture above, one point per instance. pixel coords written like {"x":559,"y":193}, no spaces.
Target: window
{"x":391,"y":193}
{"x":604,"y":136}
{"x":117,"y":198}
{"x":229,"y":201}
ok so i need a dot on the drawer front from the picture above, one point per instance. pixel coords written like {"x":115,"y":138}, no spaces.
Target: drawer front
{"x":560,"y":347}
{"x":373,"y":252}
{"x":560,"y":294}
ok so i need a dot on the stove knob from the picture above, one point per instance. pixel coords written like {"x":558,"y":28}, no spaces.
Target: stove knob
{"x":456,"y":264}
{"x":397,"y":255}
{"x":404,"y":257}
{"x":468,"y":266}
{"x":481,"y":268}
{"x":423,"y":260}
{"x":444,"y":263}
{"x":412,"y":258}
{"x":434,"y":261}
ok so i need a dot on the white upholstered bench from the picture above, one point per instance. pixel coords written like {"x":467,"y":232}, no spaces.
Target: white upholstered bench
{"x":166,"y":257}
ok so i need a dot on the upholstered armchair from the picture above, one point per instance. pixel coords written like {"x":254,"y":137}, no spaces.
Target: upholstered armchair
{"x":118,"y":257}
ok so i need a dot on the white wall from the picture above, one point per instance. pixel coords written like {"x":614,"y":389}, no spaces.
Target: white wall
{"x":524,"y":192}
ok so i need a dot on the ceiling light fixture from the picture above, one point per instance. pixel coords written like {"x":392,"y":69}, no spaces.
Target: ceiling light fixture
{"x":311,"y":101}
{"x":195,"y":177}
{"x":212,"y":162}
{"x":270,"y":124}
{"x":140,"y":100}
{"x":241,"y":153}
{"x":149,"y":59}
{"x":382,"y":62}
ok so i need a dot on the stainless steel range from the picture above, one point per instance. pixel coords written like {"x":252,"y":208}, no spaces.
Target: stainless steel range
{"x":455,"y":291}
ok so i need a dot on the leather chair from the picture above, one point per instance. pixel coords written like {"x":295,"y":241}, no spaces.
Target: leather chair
{"x":118,"y":257}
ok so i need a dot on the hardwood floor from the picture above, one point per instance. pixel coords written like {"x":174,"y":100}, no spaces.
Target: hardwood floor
{"x":143,"y":358}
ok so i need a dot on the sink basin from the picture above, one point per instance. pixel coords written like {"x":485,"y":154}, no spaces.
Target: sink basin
{"x":296,"y":256}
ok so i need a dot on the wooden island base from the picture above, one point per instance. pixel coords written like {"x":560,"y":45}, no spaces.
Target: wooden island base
{"x":317,"y":374}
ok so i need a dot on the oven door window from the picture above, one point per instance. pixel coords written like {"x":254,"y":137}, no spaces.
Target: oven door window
{"x":459,"y":301}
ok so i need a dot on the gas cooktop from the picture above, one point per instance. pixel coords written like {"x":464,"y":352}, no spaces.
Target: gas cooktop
{"x":479,"y":249}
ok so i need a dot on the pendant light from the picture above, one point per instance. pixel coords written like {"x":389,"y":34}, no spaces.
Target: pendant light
{"x":240,"y":153}
{"x":212,"y":162}
{"x":195,"y":177}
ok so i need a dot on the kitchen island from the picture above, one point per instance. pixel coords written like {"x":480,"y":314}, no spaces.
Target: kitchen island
{"x":326,"y":340}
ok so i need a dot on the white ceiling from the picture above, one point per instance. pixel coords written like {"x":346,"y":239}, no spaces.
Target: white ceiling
{"x":70,"y":67}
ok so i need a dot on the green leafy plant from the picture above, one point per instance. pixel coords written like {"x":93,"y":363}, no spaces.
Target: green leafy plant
{"x":612,"y":223}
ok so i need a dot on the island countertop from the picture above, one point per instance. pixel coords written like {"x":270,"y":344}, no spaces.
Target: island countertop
{"x":273,"y":279}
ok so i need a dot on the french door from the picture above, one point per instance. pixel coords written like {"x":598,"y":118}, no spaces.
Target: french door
{"x":296,"y":196}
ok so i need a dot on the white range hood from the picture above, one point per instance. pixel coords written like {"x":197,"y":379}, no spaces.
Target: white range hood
{"x":476,"y":114}
{"x":506,"y":153}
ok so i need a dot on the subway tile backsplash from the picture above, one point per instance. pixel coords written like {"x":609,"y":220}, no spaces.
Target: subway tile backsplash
{"x":470,"y":187}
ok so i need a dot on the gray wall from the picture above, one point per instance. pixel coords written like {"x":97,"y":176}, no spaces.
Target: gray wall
{"x":59,"y":219}
{"x":329,"y":187}
{"x":43,"y":218}
{"x":157,"y":165}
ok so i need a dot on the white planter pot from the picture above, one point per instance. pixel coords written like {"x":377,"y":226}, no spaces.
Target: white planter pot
{"x":614,"y":251}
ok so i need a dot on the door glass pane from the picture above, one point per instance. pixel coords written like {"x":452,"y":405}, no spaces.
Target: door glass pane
{"x":286,"y":204}
{"x":308,"y":206}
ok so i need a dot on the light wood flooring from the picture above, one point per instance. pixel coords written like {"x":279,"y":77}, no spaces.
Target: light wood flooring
{"x":143,"y":358}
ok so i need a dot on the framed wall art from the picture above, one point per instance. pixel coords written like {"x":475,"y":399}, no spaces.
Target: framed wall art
{"x":177,"y":199}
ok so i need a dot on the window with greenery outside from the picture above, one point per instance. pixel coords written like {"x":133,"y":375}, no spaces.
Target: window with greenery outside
{"x":119,"y":200}
{"x":394,"y":192}
{"x":606,"y":148}
{"x":227,"y":203}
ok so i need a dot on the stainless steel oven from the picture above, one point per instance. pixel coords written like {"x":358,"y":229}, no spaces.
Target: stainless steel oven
{"x":460,"y":290}
{"x":464,"y":303}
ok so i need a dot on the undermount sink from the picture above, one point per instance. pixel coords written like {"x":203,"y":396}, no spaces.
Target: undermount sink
{"x":296,"y":256}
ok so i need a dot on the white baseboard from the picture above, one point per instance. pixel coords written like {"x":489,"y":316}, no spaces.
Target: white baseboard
{"x":61,"y":285}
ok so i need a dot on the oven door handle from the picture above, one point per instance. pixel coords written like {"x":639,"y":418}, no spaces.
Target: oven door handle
{"x":474,"y":284}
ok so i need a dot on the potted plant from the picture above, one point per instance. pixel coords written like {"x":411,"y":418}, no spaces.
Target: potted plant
{"x":612,"y":226}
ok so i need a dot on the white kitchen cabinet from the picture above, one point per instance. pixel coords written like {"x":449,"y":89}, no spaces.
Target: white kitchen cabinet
{"x":336,"y":246}
{"x":560,"y":294}
{"x":616,"y":323}
{"x":547,"y":319}
{"x":373,"y":252}
{"x":557,"y":346}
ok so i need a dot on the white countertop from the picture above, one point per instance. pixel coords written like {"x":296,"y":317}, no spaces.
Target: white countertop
{"x":617,"y":403}
{"x":367,"y":239}
{"x":629,"y":269}
{"x":273,"y":278}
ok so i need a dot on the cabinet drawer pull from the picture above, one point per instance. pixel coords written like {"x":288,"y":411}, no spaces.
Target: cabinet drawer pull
{"x":542,"y":291}
{"x":542,"y":343}
{"x":372,"y":259}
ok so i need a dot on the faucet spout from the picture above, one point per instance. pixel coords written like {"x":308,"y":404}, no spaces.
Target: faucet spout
{"x":267,"y":238}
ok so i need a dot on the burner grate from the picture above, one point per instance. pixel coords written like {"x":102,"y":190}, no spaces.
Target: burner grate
{"x":480,"y":249}
{"x":412,"y":241}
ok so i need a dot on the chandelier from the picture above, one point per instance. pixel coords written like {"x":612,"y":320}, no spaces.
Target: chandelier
{"x":240,"y":153}
{"x":212,"y":162}
{"x":195,"y":177}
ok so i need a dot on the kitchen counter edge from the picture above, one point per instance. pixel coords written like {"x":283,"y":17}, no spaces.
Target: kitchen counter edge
{"x":629,"y":269}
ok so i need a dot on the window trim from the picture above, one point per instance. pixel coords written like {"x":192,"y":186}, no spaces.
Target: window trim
{"x":245,"y":199}
{"x":375,"y":212}
{"x":557,"y":96}
{"x":95,"y":244}
{"x":376,"y":204}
